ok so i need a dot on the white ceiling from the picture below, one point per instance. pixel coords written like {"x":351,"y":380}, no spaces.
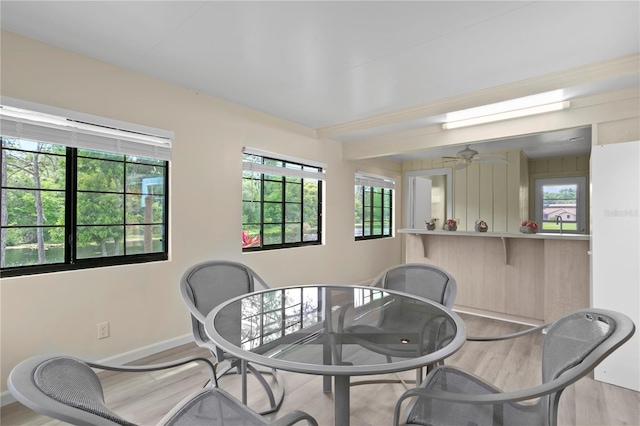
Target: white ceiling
{"x":322,"y":64}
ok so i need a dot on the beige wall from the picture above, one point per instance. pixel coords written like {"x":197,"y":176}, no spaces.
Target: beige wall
{"x":491,"y":192}
{"x":60,"y":312}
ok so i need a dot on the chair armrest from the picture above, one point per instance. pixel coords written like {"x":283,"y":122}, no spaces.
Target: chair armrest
{"x":485,"y":399}
{"x":156,"y":367}
{"x":294,"y":417}
{"x":507,"y":336}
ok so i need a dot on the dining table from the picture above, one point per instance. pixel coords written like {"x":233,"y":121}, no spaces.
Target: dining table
{"x":336,"y":331}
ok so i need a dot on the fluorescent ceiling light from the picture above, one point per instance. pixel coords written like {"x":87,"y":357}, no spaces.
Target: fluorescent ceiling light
{"x":556,"y":106}
{"x":508,"y":105}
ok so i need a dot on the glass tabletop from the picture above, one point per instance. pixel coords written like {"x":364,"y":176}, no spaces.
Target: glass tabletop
{"x":336,"y":330}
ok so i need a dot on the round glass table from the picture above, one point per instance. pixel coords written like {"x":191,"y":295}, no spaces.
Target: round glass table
{"x":336,"y":331}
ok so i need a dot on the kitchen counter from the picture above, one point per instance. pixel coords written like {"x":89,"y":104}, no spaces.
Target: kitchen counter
{"x":540,"y":235}
{"x":530,"y":278}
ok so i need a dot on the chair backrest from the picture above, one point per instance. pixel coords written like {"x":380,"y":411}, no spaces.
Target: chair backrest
{"x":419,"y":279}
{"x":575,"y":343}
{"x":208,"y":284}
{"x":64,"y":388}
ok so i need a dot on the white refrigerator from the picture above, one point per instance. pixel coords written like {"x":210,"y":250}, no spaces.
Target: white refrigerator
{"x":615,"y":251}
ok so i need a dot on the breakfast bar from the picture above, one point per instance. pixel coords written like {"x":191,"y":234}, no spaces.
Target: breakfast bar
{"x":529,"y":278}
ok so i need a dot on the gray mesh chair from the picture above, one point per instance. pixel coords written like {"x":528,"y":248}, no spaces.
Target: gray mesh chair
{"x":419,"y":279}
{"x":208,"y":284}
{"x":572,"y":346}
{"x":67,"y":389}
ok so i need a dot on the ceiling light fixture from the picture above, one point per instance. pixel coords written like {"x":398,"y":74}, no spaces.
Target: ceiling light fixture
{"x":512,"y":108}
{"x":556,"y":106}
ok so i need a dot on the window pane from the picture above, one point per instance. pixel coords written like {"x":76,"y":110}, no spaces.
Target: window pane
{"x":145,"y":209}
{"x":386,"y":220}
{"x":377,"y":228}
{"x":22,"y":248}
{"x":559,"y":207}
{"x":272,"y":234}
{"x":367,"y":196}
{"x":272,"y":191}
{"x":143,"y":179}
{"x":387,"y":198}
{"x":100,"y":209}
{"x":357,"y":210}
{"x":310,"y":232}
{"x":251,"y":189}
{"x":272,"y":213}
{"x":143,"y":160}
{"x":293,"y":192}
{"x":250,"y":212}
{"x":250,"y":236}
{"x":293,"y":212}
{"x":272,"y":162}
{"x":22,"y":209}
{"x":377,"y":197}
{"x":145,"y":239}
{"x":99,"y":241}
{"x":311,"y":201}
{"x":21,"y":171}
{"x":99,"y":154}
{"x":293,"y":233}
{"x":33,"y":146}
{"x":100,"y":175}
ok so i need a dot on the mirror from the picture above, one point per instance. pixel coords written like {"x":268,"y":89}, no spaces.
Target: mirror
{"x":428,"y":195}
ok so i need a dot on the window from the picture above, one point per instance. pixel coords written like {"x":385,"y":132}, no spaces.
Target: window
{"x":69,"y":207}
{"x":281,"y":201}
{"x":373,"y":206}
{"x":560,"y":204}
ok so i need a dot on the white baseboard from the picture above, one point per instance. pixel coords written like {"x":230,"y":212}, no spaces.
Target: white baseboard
{"x":145,"y":351}
{"x":123,"y":358}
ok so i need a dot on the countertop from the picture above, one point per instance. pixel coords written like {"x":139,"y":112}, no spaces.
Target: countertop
{"x":542,"y":235}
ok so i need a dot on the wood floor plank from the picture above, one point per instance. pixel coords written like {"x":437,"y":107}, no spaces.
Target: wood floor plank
{"x":144,"y":398}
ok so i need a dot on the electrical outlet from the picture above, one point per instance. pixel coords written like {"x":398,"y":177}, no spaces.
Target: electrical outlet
{"x":103,"y":330}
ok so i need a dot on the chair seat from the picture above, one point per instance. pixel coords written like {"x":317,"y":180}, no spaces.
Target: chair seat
{"x":432,"y":412}
{"x":215,"y":407}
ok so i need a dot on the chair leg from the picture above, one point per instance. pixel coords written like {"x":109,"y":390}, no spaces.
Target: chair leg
{"x":275,"y":401}
{"x":238,"y":367}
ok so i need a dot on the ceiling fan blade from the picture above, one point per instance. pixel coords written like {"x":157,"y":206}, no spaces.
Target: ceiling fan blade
{"x":490,"y":159}
{"x":484,"y":160}
{"x":461,"y":166}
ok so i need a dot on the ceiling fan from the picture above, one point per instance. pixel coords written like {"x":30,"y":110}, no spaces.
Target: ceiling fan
{"x":467,"y":156}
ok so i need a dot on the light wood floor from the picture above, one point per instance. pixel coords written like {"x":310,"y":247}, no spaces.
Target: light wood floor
{"x":145,"y":397}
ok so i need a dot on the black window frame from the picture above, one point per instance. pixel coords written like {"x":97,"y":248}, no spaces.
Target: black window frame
{"x":364,"y":193}
{"x":283,"y":180}
{"x":70,"y":227}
